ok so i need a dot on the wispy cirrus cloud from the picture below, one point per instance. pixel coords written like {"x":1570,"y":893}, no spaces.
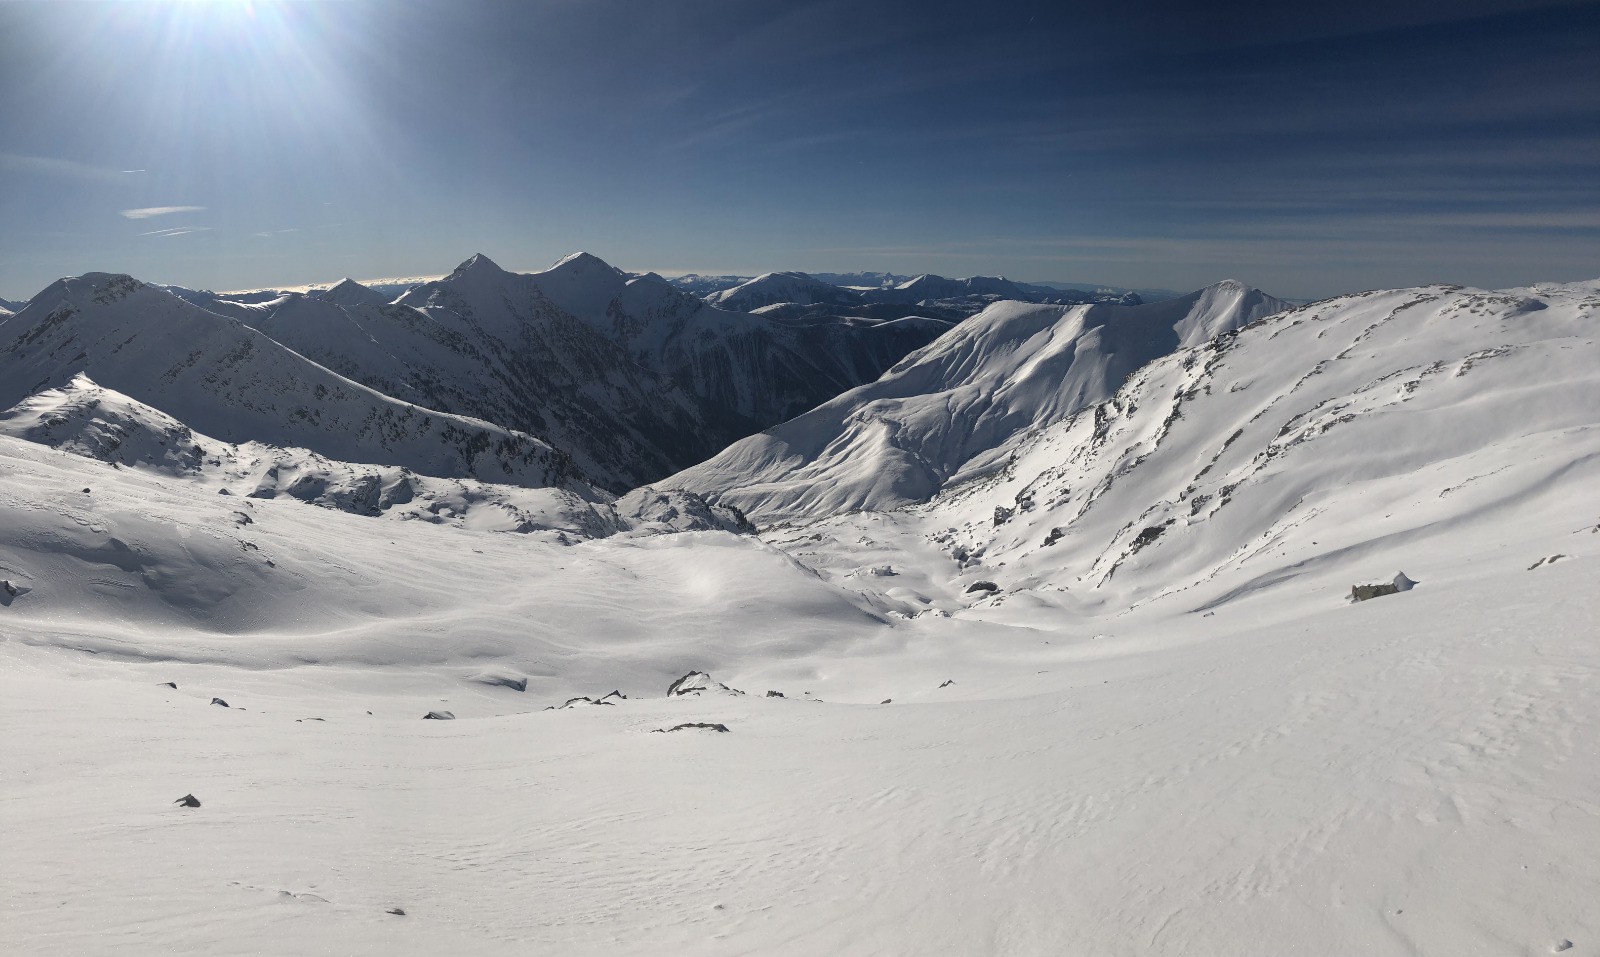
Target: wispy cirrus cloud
{"x":150,"y":211}
{"x":177,"y":231}
{"x":55,"y":166}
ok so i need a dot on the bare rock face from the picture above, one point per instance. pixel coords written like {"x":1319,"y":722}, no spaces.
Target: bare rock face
{"x":1379,"y":589}
{"x":709,"y":726}
{"x":697,"y":683}
{"x":438,"y":716}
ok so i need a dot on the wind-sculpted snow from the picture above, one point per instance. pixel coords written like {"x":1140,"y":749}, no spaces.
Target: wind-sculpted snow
{"x":1013,"y":368}
{"x":222,"y":378}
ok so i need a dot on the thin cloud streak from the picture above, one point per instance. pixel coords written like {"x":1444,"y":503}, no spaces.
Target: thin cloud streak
{"x":177,"y":231}
{"x":150,"y":211}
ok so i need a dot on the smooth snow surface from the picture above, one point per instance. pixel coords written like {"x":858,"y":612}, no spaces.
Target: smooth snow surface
{"x":1163,"y":730}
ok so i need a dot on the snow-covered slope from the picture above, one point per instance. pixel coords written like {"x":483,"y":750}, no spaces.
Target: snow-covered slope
{"x":1012,"y":368}
{"x":1416,"y":430}
{"x":229,"y":381}
{"x":776,"y":287}
{"x":1102,"y":694}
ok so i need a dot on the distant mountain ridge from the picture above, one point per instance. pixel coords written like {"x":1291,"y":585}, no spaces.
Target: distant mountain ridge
{"x":232,"y":382}
{"x":630,"y":378}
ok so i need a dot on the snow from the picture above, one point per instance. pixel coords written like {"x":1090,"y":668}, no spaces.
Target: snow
{"x":1014,"y":367}
{"x":1181,"y":742}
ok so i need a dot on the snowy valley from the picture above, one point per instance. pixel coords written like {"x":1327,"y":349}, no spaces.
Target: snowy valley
{"x":1012,"y":623}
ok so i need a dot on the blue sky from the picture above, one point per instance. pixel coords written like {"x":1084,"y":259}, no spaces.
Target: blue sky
{"x":228,"y":144}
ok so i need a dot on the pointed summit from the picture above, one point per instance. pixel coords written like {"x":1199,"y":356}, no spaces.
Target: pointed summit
{"x":581,"y":263}
{"x":478,"y":264}
{"x":348,"y":292}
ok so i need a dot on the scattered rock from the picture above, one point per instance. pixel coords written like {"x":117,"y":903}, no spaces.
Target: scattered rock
{"x":243,"y":519}
{"x":216,"y":701}
{"x":1054,"y":536}
{"x":1546,"y":561}
{"x":188,"y":800}
{"x":579,"y":702}
{"x":438,"y":716}
{"x":396,"y":911}
{"x":692,"y":724}
{"x":694,"y":683}
{"x":982,"y":586}
{"x":774,"y":694}
{"x":1379,"y":589}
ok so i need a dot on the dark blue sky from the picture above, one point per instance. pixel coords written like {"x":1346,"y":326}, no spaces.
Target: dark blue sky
{"x":1309,"y":152}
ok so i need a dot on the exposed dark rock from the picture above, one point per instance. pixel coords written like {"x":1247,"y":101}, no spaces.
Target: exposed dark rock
{"x":188,"y":800}
{"x":219,"y":701}
{"x":170,"y":684}
{"x":692,"y":724}
{"x":1543,"y":561}
{"x":887,"y":701}
{"x":695,"y":682}
{"x":948,"y":682}
{"x":1379,"y":589}
{"x":982,"y":586}
{"x":438,"y":716}
{"x":396,"y":911}
{"x":614,"y":694}
{"x":500,"y":679}
{"x":1054,"y":536}
{"x":774,"y":694}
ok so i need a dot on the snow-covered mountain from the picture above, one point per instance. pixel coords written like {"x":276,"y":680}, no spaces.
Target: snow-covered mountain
{"x":229,"y":381}
{"x":1415,"y":424}
{"x":348,"y":292}
{"x":632,"y":377}
{"x":775,"y":287}
{"x":1108,"y":676}
{"x":1014,"y":367}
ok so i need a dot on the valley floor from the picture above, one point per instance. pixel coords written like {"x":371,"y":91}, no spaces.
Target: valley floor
{"x":1414,"y":775}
